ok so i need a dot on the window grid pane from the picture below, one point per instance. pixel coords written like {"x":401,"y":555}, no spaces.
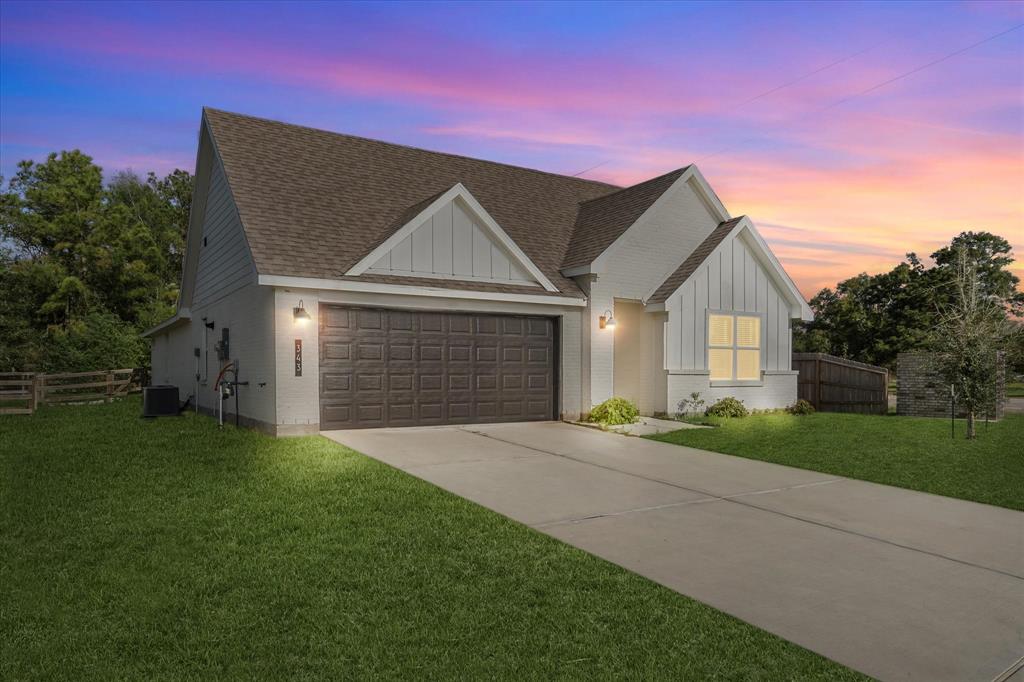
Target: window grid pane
{"x":720,"y":330}
{"x":734,"y":347}
{"x":748,"y":365}
{"x":720,"y":363}
{"x":748,"y":331}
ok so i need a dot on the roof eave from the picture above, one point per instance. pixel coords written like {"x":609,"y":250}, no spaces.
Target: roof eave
{"x":178,"y":318}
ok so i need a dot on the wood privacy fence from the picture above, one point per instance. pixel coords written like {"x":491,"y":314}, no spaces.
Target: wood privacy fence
{"x":23,"y":392}
{"x":834,"y":384}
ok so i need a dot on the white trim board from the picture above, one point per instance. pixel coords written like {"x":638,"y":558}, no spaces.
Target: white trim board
{"x":458,"y":191}
{"x":410,"y":290}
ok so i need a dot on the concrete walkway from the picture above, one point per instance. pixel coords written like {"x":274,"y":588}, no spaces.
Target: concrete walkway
{"x":897,"y":584}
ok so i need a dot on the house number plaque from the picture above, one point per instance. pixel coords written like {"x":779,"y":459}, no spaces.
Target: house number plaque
{"x":298,"y":357}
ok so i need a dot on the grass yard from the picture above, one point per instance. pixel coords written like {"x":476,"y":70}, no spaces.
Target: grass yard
{"x":1015,"y":389}
{"x":168,"y":549}
{"x":908,"y":452}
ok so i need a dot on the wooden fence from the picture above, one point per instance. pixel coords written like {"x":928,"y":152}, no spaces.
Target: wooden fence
{"x":17,"y":393}
{"x":23,"y":392}
{"x":834,"y":384}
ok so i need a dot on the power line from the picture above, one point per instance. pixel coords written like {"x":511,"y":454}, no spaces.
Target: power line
{"x":923,"y":67}
{"x":882,"y":84}
{"x":587,"y":170}
{"x":777,"y":88}
{"x":811,"y":73}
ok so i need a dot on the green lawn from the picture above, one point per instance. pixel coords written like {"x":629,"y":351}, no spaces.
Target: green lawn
{"x":1015,"y":389}
{"x":168,"y":549}
{"x":903,"y":451}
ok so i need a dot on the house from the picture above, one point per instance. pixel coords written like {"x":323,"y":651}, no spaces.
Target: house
{"x":359,"y":283}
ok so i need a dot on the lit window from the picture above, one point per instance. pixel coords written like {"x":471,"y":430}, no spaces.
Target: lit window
{"x":734,"y":347}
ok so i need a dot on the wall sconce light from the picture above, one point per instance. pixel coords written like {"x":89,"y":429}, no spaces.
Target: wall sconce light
{"x":606,"y":321}
{"x":300,"y":314}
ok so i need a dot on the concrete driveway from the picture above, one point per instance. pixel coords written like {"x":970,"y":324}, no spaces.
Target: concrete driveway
{"x":897,"y":584}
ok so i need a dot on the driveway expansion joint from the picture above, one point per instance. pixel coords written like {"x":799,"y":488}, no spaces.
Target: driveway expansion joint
{"x":734,"y":500}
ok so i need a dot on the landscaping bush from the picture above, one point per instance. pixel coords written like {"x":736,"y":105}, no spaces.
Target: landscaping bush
{"x":615,"y":411}
{"x":800,"y":407}
{"x":727,"y":407}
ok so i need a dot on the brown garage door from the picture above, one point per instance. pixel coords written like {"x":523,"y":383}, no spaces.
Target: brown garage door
{"x":381,"y":367}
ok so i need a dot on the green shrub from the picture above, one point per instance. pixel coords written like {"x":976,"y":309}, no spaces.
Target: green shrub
{"x":615,"y":411}
{"x":727,"y":407}
{"x":800,"y":407}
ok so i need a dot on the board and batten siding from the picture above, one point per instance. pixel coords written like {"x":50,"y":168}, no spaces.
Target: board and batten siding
{"x":732,"y":280}
{"x":454,"y":245}
{"x":225,"y":262}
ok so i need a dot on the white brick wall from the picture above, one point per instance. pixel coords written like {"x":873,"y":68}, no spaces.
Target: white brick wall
{"x":298,"y":398}
{"x":247,"y":313}
{"x":641,"y":260}
{"x":777,"y":390}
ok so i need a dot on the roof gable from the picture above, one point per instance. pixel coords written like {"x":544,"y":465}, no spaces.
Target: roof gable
{"x":743,"y":228}
{"x":605,"y":221}
{"x":314,"y":203}
{"x":693,"y":261}
{"x":451,"y":236}
{"x":602,"y":220}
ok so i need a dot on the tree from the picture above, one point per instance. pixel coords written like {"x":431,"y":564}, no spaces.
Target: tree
{"x":872,"y":318}
{"x":82,"y":256}
{"x":973,"y":329}
{"x":991,"y":257}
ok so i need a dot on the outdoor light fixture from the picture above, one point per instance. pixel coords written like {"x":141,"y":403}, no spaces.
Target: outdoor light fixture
{"x":606,"y":321}
{"x":301,"y":316}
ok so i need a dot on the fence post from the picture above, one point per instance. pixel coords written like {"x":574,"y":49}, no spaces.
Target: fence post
{"x":34,"y":395}
{"x":885,"y":392}
{"x":817,"y":382}
{"x":110,"y":387}
{"x":40,"y":389}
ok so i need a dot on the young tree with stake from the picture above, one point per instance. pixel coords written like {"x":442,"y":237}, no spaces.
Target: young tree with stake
{"x":973,"y":328}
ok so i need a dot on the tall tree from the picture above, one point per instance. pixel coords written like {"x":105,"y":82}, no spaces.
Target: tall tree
{"x":872,"y":318}
{"x":82,"y":256}
{"x":990,"y":256}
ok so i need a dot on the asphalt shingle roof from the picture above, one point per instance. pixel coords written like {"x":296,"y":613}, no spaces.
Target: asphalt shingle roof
{"x":693,"y":261}
{"x":602,"y":220}
{"x":313,"y":203}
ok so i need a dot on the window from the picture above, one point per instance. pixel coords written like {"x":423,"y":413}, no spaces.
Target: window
{"x":734,"y":347}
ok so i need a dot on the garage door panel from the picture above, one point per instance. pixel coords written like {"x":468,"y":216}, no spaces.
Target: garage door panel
{"x":459,"y":351}
{"x":401,"y":381}
{"x":512,"y":325}
{"x":336,"y":412}
{"x":486,"y":325}
{"x":336,"y":383}
{"x":486,"y":354}
{"x":431,"y":322}
{"x":335,"y":318}
{"x":383,"y":367}
{"x":337,"y":351}
{"x":399,"y":321}
{"x":537,"y":382}
{"x":460,"y":411}
{"x":400,"y":413}
{"x":537,"y":408}
{"x":460,"y":324}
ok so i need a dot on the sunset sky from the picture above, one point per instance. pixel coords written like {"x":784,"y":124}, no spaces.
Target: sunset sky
{"x":776,"y":103}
